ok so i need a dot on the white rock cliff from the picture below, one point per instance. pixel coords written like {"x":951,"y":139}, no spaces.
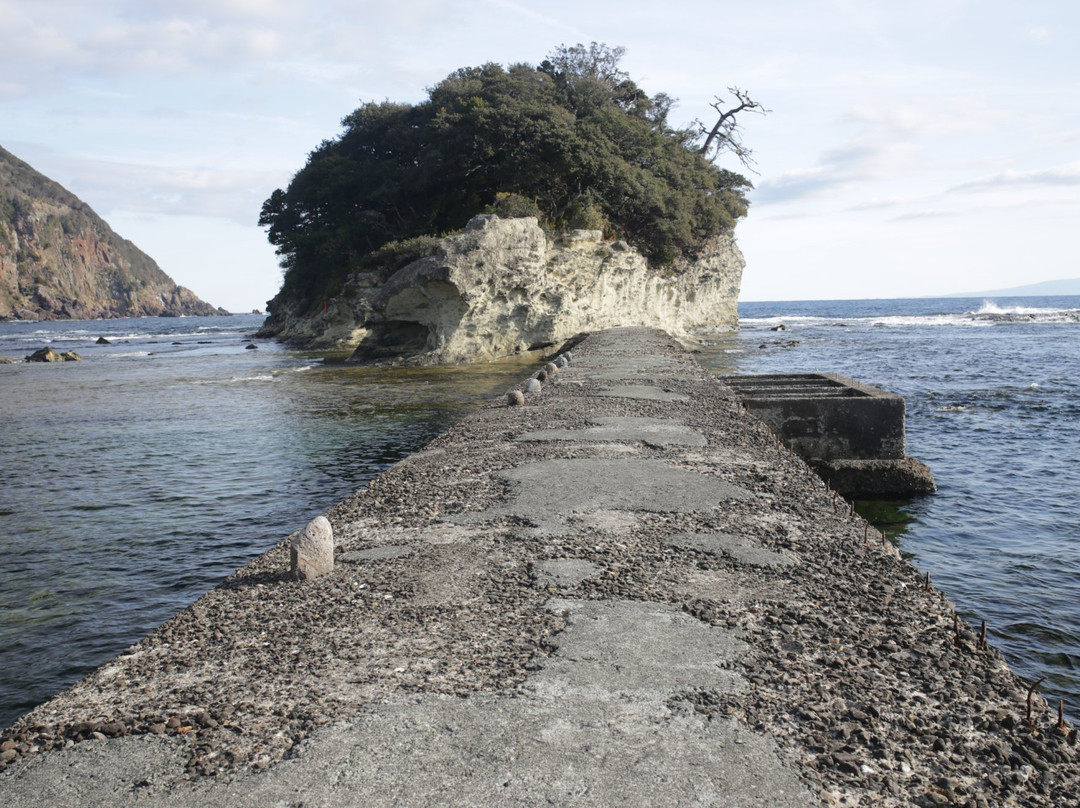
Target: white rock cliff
{"x":501,"y":287}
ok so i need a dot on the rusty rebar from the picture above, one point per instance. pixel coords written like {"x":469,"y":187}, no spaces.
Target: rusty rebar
{"x":1030,"y":694}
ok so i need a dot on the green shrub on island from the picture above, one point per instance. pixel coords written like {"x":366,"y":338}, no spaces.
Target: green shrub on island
{"x":573,"y":142}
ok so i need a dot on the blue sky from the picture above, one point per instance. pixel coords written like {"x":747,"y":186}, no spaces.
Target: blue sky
{"x":913,"y":148}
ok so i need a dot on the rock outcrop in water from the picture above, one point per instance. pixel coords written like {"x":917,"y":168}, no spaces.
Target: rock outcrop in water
{"x":502,"y":287}
{"x":60,"y":261}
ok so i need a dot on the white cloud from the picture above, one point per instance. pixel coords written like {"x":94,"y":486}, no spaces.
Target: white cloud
{"x":216,"y":192}
{"x":1060,"y":176}
{"x":932,"y":117}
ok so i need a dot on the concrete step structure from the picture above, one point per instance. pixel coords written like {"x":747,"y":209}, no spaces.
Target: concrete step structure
{"x":852,"y":434}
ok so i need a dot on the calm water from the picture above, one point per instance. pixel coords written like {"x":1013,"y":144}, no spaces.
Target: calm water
{"x":993,"y":404}
{"x":133,"y":481}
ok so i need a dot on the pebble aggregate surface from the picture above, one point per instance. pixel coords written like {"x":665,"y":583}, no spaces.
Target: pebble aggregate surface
{"x":621,"y":592}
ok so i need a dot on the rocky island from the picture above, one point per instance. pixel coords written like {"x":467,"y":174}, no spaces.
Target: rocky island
{"x":511,"y":210}
{"x":60,"y":261}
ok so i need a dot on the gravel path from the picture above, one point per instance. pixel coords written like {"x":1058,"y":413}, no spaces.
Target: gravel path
{"x":758,"y":644}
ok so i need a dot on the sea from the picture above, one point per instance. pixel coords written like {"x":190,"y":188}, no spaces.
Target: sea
{"x":138,"y":478}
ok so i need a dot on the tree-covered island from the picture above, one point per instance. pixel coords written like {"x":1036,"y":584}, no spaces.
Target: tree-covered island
{"x":573,"y":142}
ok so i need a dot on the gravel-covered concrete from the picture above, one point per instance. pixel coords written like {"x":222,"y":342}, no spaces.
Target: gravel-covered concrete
{"x":621,"y":593}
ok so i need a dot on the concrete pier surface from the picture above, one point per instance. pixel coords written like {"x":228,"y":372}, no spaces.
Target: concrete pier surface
{"x":622,"y":592}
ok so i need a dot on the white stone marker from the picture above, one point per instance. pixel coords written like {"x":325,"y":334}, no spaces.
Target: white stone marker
{"x":312,"y":552}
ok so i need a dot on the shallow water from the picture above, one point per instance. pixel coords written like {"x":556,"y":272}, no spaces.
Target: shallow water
{"x":136,"y":479}
{"x":993,"y":407}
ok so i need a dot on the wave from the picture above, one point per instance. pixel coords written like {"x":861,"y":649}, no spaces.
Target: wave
{"x":988,"y":315}
{"x":992,"y":312}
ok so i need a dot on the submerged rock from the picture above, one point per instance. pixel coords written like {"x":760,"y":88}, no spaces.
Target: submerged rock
{"x":49,"y":355}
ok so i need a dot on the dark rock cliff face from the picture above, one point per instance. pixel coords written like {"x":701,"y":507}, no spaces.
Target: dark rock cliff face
{"x":60,"y":261}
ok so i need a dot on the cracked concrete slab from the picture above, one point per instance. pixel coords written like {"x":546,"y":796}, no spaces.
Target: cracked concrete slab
{"x":651,"y":431}
{"x":635,"y":650}
{"x":739,"y":548}
{"x":385,"y":552}
{"x":601,"y":724}
{"x":547,"y":492}
{"x":562,"y":572}
{"x":640,"y":392}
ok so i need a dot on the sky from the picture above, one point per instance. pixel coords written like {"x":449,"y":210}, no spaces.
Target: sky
{"x":911,"y":149}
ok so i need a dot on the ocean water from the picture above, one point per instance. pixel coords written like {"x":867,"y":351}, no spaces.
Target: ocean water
{"x":992,"y":388}
{"x":135,"y":480}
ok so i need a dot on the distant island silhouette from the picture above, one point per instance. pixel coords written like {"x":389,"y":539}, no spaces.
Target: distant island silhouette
{"x":1065,"y":286}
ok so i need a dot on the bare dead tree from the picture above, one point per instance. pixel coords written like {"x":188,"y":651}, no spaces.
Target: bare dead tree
{"x":726,"y":134}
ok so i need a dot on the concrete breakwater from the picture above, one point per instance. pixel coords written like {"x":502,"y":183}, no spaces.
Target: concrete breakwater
{"x":622,"y":592}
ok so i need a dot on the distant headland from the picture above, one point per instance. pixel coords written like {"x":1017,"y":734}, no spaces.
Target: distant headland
{"x":61,"y":261}
{"x":1064,"y":286}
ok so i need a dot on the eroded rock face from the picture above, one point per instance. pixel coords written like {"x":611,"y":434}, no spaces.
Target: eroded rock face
{"x":501,"y":287}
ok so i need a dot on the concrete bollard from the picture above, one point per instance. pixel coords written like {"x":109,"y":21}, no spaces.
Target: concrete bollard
{"x":552,"y":371}
{"x":533,"y":386}
{"x":312,"y":552}
{"x":541,"y":376}
{"x":561,"y":361}
{"x":515,"y":398}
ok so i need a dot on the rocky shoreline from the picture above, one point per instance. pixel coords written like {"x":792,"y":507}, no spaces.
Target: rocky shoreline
{"x":636,"y":485}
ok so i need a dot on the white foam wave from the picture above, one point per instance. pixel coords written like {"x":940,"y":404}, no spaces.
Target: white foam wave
{"x":258,"y":377}
{"x":989,"y":314}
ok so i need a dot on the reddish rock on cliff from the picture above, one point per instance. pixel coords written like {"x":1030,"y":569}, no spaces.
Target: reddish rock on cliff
{"x":59,"y":260}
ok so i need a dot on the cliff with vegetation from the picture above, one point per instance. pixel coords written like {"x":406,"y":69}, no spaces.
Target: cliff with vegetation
{"x":59,"y":260}
{"x":381,"y":246}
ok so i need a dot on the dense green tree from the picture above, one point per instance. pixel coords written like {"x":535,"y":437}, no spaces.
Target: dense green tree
{"x":573,"y":140}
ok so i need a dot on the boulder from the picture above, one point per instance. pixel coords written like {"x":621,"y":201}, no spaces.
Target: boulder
{"x":312,"y":552}
{"x":45,"y":355}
